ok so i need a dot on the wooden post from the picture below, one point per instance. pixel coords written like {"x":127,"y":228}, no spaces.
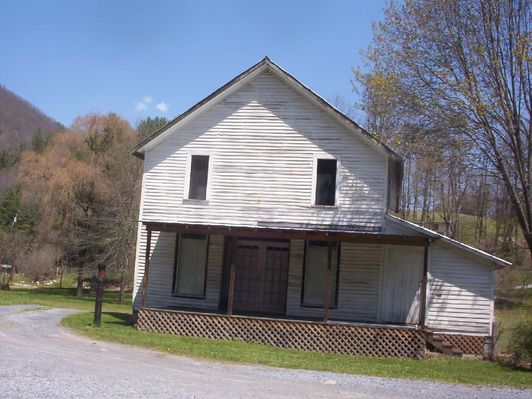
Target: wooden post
{"x":326,"y":294}
{"x":146,"y":270}
{"x":232,"y":275}
{"x":231,"y":289}
{"x":99,"y":295}
{"x":423,"y":290}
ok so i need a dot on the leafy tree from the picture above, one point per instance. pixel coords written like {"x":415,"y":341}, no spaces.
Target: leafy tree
{"x":88,"y":186}
{"x":13,"y":213}
{"x":150,"y":125}
{"x":458,"y":72}
{"x":39,"y":142}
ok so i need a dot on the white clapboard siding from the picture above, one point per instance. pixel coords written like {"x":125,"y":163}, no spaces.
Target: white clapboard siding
{"x":263,"y":140}
{"x":358,"y":288}
{"x":460,"y":292}
{"x":161,"y":273}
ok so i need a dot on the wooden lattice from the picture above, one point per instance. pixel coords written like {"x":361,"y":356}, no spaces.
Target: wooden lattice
{"x":302,"y":335}
{"x":468,"y":344}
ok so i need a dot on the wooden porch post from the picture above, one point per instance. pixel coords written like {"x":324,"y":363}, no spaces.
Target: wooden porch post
{"x":423,"y":291}
{"x":146,"y":270}
{"x":232,"y":275}
{"x":327,"y":284}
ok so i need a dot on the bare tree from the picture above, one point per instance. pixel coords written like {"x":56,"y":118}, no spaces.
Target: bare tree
{"x":461,"y":68}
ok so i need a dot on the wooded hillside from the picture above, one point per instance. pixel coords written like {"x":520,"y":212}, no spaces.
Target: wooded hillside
{"x":20,"y":121}
{"x":22,"y":126}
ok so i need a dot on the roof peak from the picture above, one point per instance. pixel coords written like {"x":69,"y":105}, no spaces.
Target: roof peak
{"x":266,"y":62}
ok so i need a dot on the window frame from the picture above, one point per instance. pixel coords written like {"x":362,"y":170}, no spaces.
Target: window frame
{"x":316,"y":158}
{"x":177,"y":252}
{"x":336,"y":286}
{"x":188,"y":171}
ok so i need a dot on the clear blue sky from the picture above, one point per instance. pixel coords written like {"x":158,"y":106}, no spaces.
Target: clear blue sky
{"x":70,"y":58}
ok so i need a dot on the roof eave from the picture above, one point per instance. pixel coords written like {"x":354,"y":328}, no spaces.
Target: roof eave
{"x":435,"y":235}
{"x":137,"y":148}
{"x":138,"y":151}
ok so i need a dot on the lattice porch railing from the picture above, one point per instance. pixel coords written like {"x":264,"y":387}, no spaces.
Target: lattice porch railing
{"x":302,"y":335}
{"x":468,"y":344}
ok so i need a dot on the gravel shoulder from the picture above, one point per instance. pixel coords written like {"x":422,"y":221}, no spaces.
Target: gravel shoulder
{"x":40,"y":359}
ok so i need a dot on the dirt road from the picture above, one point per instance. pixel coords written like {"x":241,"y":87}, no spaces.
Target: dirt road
{"x":40,"y":359}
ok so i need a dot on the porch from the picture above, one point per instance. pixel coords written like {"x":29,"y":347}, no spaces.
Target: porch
{"x":302,"y":289}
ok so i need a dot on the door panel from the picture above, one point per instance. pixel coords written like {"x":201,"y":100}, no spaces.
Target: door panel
{"x":403,"y":272}
{"x":247,"y":258}
{"x":275,"y":279}
{"x":261,"y":276}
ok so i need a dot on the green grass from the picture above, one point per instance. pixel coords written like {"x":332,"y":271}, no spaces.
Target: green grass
{"x":466,"y":226}
{"x":115,"y":328}
{"x":62,"y":298}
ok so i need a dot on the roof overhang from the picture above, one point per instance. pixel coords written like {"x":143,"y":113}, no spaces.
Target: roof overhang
{"x":265,"y":64}
{"x":290,"y":234}
{"x":454,"y":243}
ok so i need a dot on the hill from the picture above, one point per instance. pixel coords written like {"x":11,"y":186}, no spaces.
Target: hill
{"x":20,"y":121}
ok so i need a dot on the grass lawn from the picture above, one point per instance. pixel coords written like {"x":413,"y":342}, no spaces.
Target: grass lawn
{"x":115,"y":328}
{"x":63,"y":298}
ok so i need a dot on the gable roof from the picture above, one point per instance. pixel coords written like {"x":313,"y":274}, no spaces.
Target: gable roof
{"x":457,"y":244}
{"x":265,"y":64}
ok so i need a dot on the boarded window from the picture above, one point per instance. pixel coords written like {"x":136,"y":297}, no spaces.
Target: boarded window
{"x":191,"y":263}
{"x":199,"y":171}
{"x":315,"y":275}
{"x":326,"y":182}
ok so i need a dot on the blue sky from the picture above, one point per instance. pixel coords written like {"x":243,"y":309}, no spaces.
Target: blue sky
{"x":149,"y":58}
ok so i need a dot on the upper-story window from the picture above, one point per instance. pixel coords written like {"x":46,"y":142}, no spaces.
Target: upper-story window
{"x":325,"y":182}
{"x":199,"y":173}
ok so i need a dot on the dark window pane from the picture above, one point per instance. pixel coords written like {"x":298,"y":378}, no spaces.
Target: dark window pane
{"x":316,"y":272}
{"x":191,"y":263}
{"x":326,"y":182}
{"x":199,"y":170}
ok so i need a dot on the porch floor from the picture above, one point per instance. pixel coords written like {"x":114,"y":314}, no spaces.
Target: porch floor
{"x":287,"y":318}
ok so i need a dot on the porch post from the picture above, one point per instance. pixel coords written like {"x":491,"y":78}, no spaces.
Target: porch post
{"x":423,"y":291}
{"x":146,"y":270}
{"x":327,"y":284}
{"x":232,"y":275}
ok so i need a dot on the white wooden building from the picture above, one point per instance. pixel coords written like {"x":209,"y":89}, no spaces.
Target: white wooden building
{"x":264,"y":204}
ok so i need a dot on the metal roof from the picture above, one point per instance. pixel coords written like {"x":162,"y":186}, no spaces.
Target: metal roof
{"x":455,"y":243}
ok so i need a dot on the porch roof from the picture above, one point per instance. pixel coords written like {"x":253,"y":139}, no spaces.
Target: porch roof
{"x":454,"y":243}
{"x":322,"y":234}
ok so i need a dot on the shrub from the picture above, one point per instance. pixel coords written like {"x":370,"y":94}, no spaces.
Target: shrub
{"x":520,"y":345}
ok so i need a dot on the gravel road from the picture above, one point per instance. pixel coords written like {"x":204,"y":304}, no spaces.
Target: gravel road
{"x":38,"y":359}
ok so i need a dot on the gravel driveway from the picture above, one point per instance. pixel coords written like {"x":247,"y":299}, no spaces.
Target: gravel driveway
{"x":40,"y":359}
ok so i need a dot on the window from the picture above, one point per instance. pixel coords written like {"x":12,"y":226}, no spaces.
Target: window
{"x":325,"y":182}
{"x":199,"y":171}
{"x":190,"y":265}
{"x":315,"y":276}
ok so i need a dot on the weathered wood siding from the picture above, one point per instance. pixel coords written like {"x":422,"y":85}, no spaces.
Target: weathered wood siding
{"x":460,"y":294}
{"x":358,"y":287}
{"x":161,"y":274}
{"x":263,"y":140}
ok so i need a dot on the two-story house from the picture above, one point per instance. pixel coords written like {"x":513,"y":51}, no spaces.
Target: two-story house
{"x":266,"y":216}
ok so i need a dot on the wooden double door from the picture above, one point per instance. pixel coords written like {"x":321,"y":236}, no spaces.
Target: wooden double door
{"x":261,"y":276}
